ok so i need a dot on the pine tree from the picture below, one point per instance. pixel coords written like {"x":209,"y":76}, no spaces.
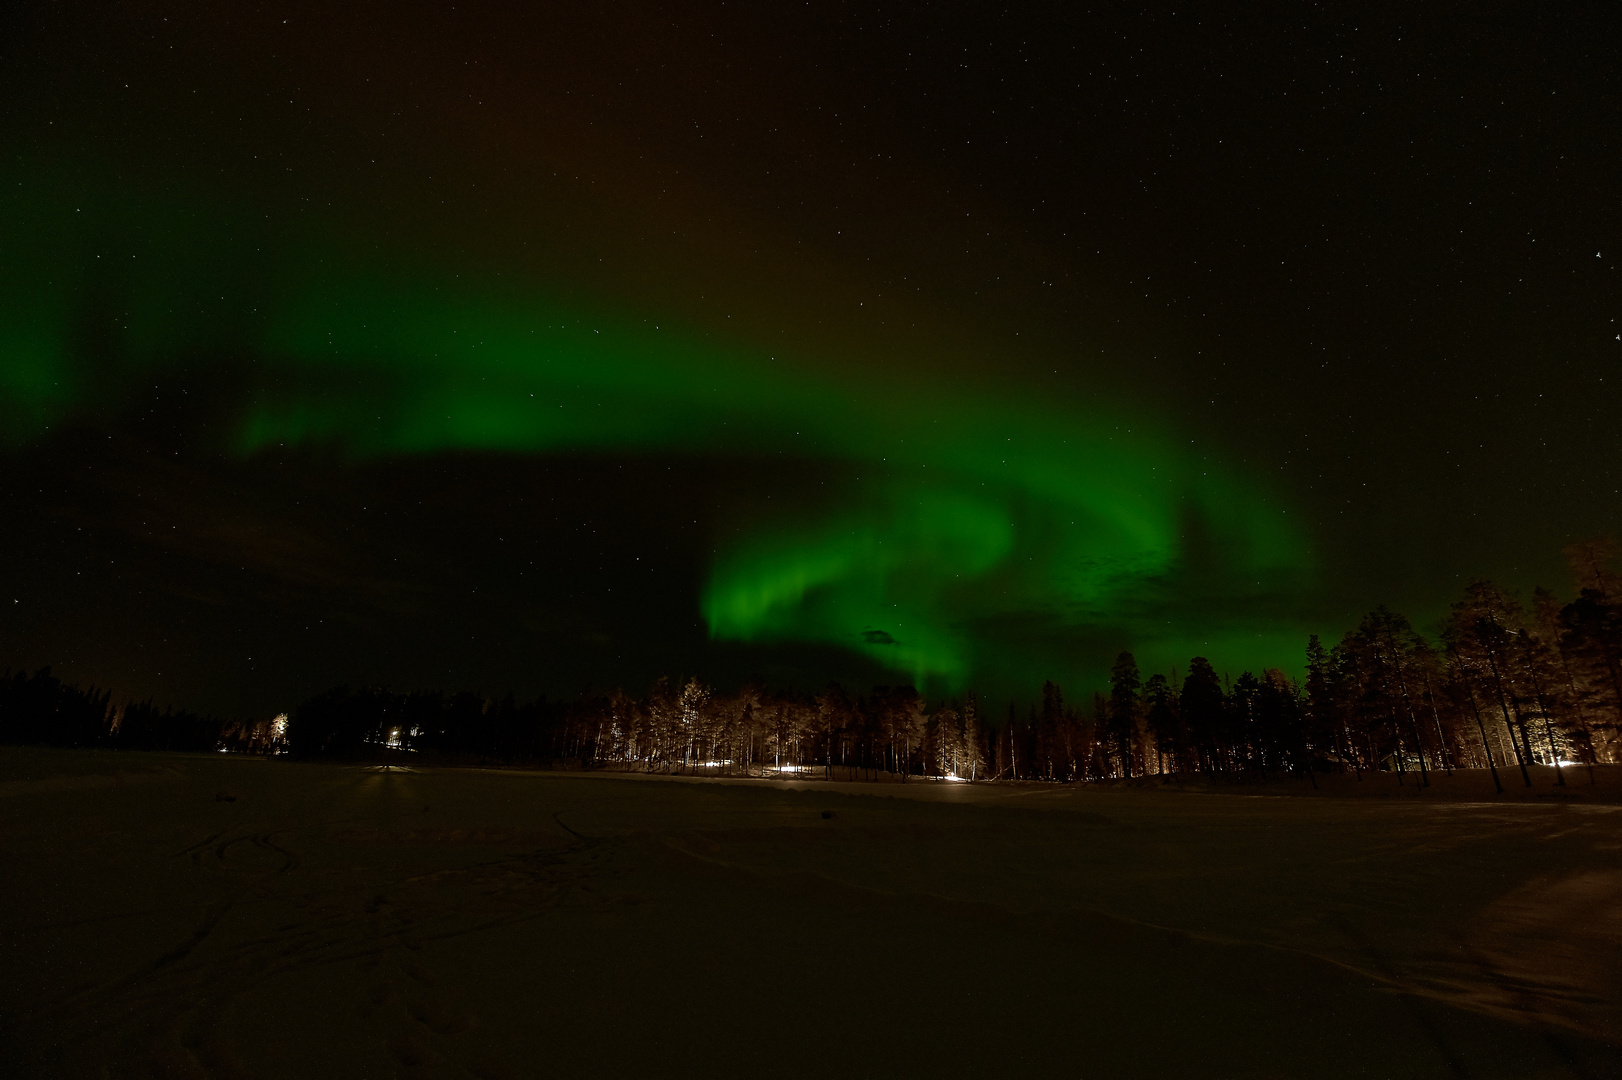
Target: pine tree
{"x":1125,"y":685}
{"x":1201,"y":705}
{"x":1162,"y":720}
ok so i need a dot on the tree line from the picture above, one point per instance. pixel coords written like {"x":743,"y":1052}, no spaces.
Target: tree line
{"x":1500,"y":686}
{"x":39,"y":709}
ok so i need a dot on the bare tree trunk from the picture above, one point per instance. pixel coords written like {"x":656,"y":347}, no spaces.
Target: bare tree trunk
{"x":1548,"y":725}
{"x":1441,"y":739}
{"x":1503,"y":705}
{"x":1485,"y":745}
{"x":1407,"y":704}
{"x":1396,"y":732}
{"x":1582,"y":713}
{"x":1350,"y":751}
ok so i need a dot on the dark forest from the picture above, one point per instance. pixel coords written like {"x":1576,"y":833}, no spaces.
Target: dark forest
{"x":1502,"y":685}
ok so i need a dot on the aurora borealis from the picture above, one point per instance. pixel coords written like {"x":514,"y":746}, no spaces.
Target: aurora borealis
{"x":968,"y":505}
{"x":992,"y":415}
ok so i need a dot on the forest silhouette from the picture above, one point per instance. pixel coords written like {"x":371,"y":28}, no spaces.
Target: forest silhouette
{"x":1502,"y":686}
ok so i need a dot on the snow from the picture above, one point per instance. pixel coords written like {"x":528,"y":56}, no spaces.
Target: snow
{"x":221,"y":916}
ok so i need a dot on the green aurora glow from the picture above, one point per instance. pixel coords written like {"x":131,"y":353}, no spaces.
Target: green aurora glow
{"x":974,"y":531}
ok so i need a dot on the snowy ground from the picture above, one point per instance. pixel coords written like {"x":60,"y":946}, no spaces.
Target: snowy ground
{"x":183,"y":916}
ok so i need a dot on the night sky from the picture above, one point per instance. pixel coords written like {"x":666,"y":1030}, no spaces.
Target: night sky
{"x":536,"y":347}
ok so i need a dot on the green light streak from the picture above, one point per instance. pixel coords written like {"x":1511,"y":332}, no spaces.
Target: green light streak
{"x":988,"y":524}
{"x":880,"y":581}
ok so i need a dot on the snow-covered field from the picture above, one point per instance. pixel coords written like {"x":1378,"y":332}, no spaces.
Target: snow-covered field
{"x":191,"y":916}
